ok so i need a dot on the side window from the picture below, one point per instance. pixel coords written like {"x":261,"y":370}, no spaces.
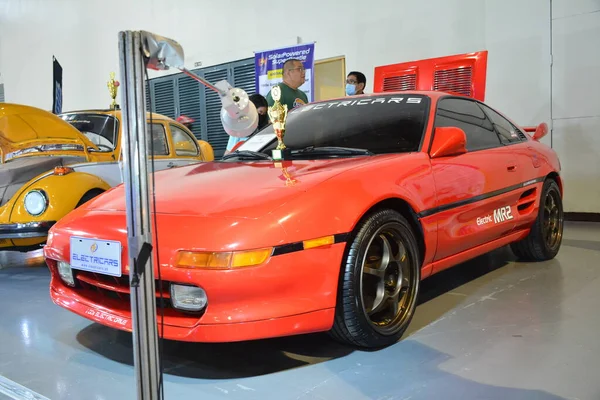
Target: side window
{"x":508,"y":132}
{"x":467,"y":115}
{"x":159,"y":140}
{"x":184,"y":144}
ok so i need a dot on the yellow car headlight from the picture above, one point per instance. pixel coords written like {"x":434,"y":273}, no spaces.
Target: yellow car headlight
{"x":222,"y":260}
{"x":36,"y":202}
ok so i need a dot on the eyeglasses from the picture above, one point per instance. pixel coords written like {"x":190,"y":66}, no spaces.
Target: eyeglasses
{"x":301,"y":69}
{"x":351,"y":81}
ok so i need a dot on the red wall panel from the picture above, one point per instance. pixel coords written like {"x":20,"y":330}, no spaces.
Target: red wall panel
{"x":463,"y":74}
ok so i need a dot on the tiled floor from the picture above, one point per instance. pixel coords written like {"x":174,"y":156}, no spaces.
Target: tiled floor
{"x":488,"y":329}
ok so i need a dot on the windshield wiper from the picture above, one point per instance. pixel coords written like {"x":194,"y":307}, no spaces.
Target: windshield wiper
{"x":247,"y":155}
{"x":332,"y":150}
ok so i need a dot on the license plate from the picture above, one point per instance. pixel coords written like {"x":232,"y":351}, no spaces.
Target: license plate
{"x":96,"y":255}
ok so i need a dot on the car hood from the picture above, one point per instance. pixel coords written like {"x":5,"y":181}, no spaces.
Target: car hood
{"x":14,"y":174}
{"x":227,"y":189}
{"x":23,"y":127}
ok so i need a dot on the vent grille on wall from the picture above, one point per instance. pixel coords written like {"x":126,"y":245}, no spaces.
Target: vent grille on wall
{"x":244,"y":78}
{"x":217,"y":136}
{"x":463,"y":74}
{"x":178,"y":94}
{"x":1,"y":92}
{"x":397,"y":83}
{"x":163,"y":98}
{"x":148,"y":97}
{"x":189,"y":102}
{"x":457,"y":80}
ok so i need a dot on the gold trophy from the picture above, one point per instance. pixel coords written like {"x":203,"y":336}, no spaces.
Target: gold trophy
{"x":278,"y":115}
{"x":112,"y":89}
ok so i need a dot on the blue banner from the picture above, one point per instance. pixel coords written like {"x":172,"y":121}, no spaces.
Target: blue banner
{"x":269,"y":65}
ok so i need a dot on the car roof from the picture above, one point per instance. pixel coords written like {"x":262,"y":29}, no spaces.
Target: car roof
{"x":433,"y":94}
{"x":117,"y":114}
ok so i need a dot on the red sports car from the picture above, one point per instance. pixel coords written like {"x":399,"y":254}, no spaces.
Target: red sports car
{"x":378,"y":193}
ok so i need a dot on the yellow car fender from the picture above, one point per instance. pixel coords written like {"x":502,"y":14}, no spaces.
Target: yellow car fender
{"x":206,"y":150}
{"x":63,"y":193}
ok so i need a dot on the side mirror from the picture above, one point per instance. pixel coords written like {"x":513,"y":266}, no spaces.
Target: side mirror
{"x":448,"y":141}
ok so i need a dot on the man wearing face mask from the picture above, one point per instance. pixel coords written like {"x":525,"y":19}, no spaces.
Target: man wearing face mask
{"x":355,"y":83}
{"x":263,"y":120}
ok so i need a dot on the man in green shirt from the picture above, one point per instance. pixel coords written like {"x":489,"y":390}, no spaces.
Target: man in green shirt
{"x":294,"y":76}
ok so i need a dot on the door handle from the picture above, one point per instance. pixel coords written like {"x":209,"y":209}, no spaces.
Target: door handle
{"x":511,"y":168}
{"x":171,"y":164}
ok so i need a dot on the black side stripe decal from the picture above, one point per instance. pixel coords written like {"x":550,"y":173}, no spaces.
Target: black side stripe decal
{"x":446,"y":207}
{"x":343,"y":237}
{"x":297,"y":246}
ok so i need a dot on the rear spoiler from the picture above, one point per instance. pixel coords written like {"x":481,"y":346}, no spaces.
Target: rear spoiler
{"x":538,"y":131}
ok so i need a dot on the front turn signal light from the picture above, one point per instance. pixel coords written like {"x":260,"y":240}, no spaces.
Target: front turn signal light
{"x":222,"y":260}
{"x":62,"y":170}
{"x":318,"y":242}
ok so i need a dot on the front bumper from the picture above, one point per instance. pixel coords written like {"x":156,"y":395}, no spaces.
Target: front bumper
{"x":25,"y":230}
{"x":293,"y":293}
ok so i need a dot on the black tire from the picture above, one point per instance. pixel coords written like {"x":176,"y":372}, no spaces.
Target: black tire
{"x":352,"y":325}
{"x":545,"y":238}
{"x":88,"y":196}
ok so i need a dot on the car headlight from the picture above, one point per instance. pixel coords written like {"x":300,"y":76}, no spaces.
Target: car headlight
{"x":36,"y":202}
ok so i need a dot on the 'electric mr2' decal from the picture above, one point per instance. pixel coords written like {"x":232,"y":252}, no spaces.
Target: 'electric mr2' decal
{"x":500,"y":215}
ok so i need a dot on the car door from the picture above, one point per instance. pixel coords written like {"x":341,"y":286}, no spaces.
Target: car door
{"x":158,"y":145}
{"x":185,"y":148}
{"x":516,"y":142}
{"x":476,"y":194}
{"x":528,"y":159}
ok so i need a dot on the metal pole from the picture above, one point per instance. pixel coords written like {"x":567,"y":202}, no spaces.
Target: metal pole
{"x":203,"y":81}
{"x":137,"y":189}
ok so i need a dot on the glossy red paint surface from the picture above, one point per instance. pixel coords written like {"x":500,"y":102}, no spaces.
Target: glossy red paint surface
{"x":227,"y":206}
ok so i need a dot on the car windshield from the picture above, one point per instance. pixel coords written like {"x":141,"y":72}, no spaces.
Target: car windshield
{"x":100,"y":129}
{"x":376,"y":124}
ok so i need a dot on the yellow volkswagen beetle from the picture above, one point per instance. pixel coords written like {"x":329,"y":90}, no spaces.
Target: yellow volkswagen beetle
{"x":51,"y":164}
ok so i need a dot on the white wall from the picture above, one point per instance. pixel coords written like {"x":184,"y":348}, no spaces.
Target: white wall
{"x":83,"y":36}
{"x":516,"y":33}
{"x":576,"y":100}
